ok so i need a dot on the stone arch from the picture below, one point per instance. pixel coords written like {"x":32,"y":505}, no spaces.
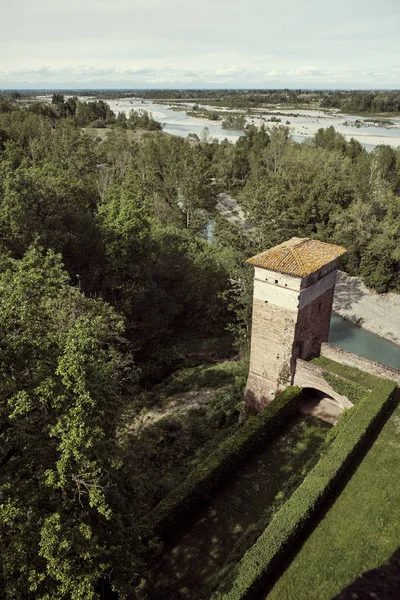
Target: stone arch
{"x":320,"y":404}
{"x":308,"y":375}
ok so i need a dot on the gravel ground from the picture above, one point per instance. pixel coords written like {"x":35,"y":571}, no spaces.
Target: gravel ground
{"x":379,"y":313}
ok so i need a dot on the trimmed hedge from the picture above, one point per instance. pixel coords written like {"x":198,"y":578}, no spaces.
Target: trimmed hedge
{"x":353,"y":391}
{"x":203,"y":480}
{"x":251,"y":572}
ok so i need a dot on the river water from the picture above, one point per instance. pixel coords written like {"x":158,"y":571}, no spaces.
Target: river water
{"x":303,"y":125}
{"x":173,"y":121}
{"x":355,"y":339}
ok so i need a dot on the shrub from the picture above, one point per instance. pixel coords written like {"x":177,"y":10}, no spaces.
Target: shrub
{"x":98,"y":124}
{"x":229,"y":455}
{"x":258,"y":562}
{"x":354,"y":392}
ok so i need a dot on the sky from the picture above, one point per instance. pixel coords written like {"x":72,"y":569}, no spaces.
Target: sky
{"x":313,"y":44}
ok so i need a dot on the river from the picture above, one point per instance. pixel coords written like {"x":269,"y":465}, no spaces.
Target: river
{"x":355,"y":339}
{"x":303,"y":125}
{"x":175,"y":122}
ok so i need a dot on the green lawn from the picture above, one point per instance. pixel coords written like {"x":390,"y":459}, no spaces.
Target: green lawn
{"x":362,"y":378}
{"x":359,"y":532}
{"x":230,"y":521}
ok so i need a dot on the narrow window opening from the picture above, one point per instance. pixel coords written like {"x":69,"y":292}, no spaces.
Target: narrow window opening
{"x":276,"y":281}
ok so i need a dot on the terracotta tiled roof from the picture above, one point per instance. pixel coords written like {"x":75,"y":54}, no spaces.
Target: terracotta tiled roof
{"x":298,"y":257}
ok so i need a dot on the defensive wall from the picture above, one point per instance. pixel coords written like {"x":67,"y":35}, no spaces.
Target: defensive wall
{"x":364,"y":364}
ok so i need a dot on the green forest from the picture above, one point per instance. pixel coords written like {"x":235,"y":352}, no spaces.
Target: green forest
{"x":350,"y":101}
{"x":120,"y":283}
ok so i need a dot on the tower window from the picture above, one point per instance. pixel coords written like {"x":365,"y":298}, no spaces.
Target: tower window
{"x":276,"y":281}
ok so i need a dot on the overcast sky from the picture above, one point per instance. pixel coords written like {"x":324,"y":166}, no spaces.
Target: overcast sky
{"x":200,"y":43}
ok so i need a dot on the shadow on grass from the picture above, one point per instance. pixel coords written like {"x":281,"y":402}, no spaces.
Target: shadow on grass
{"x":382,"y":582}
{"x":329,"y":502}
{"x":203,"y":376}
{"x":237,"y":514}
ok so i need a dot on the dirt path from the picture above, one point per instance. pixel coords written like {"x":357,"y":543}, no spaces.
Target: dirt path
{"x":231,"y":210}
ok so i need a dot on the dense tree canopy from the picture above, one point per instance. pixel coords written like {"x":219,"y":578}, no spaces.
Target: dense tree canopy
{"x":61,"y":383}
{"x":112,"y":256}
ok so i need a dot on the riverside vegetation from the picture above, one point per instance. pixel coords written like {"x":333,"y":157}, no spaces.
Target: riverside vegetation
{"x":113,"y":299}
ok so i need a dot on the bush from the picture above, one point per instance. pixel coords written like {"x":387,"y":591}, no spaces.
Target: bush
{"x":353,"y":391}
{"x":98,"y":124}
{"x":229,"y":455}
{"x":259,"y":561}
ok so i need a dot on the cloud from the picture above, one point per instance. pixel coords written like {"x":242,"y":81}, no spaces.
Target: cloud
{"x":236,"y":43}
{"x":234,"y":76}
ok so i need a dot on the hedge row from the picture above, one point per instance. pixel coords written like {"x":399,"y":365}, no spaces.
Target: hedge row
{"x":251,"y":572}
{"x":203,"y":480}
{"x":353,"y":391}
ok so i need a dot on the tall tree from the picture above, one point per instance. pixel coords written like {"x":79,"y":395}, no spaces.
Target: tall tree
{"x":60,"y":370}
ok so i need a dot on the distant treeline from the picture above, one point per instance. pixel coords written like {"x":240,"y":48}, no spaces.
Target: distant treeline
{"x":233,"y":98}
{"x":350,"y":101}
{"x":96,"y":113}
{"x":372,"y":102}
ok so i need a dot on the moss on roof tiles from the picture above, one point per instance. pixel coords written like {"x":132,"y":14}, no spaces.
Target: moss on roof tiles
{"x":298,"y":256}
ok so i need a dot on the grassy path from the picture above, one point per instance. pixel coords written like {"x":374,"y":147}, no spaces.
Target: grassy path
{"x":226,"y":526}
{"x":359,"y":532}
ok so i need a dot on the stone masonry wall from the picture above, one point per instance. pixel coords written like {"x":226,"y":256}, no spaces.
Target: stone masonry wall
{"x":271,"y":348}
{"x":309,"y":375}
{"x":364,"y":364}
{"x":312,"y":326}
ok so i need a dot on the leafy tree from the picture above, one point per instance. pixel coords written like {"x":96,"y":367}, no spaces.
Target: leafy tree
{"x":57,"y":99}
{"x":142,"y":119}
{"x":233,"y":247}
{"x":61,"y":368}
{"x":53,"y":197}
{"x":177,"y":181}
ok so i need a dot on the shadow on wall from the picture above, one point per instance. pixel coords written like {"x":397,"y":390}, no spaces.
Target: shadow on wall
{"x":348,"y":291}
{"x":319,"y":404}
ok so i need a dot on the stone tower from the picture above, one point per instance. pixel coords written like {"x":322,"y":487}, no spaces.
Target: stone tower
{"x":293,"y":294}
